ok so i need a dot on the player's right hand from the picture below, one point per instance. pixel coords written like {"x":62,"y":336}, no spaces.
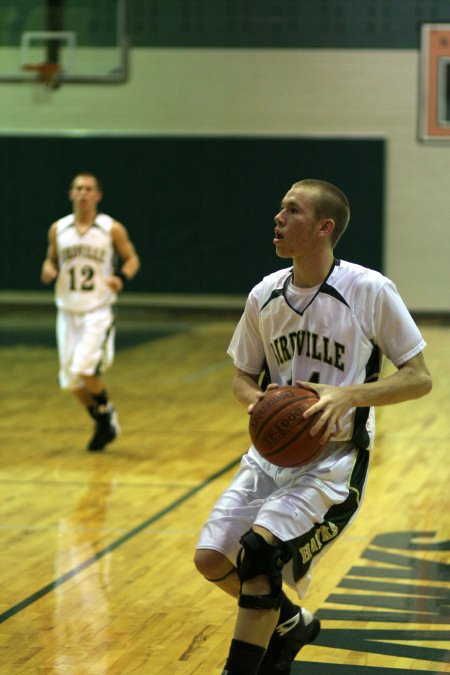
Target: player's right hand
{"x":260,"y":394}
{"x":48,"y":273}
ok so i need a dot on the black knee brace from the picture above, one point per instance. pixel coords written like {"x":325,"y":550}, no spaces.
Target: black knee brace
{"x":256,"y":558}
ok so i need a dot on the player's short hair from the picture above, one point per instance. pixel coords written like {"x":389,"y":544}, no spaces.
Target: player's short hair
{"x":330,"y":202}
{"x":86,"y":174}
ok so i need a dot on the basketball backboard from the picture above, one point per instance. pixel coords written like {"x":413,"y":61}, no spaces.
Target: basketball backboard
{"x":77,"y":41}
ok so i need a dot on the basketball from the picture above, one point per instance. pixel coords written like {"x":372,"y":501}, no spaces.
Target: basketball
{"x":278,"y":429}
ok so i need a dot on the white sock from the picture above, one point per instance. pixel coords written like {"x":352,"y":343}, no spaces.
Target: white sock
{"x":307,"y":616}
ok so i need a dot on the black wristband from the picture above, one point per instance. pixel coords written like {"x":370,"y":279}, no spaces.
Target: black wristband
{"x":122,"y":276}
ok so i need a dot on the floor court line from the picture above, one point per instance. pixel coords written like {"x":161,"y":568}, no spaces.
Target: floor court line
{"x":23,"y":604}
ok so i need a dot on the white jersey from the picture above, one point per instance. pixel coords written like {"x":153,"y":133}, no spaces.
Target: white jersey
{"x":334,"y":334}
{"x":85,"y":261}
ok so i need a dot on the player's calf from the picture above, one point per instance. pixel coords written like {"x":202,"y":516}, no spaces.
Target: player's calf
{"x":257,"y":560}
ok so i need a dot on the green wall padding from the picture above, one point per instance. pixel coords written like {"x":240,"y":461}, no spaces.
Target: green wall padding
{"x":278,"y":24}
{"x":199,"y":209}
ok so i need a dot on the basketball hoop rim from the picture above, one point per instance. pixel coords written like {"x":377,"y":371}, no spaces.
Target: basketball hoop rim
{"x":46,"y":72}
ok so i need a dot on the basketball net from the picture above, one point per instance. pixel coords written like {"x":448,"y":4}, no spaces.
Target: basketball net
{"x":47,"y":74}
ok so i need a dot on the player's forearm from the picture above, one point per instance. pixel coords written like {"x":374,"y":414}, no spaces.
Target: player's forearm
{"x":404,"y":385}
{"x":245,"y":387}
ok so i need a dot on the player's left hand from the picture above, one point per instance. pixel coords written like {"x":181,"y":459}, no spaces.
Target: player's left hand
{"x":115,"y":283}
{"x":333,"y":404}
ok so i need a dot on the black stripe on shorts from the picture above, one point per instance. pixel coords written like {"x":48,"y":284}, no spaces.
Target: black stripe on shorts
{"x":306,"y":547}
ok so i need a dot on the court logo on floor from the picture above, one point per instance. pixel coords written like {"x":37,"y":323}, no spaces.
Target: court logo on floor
{"x":403,"y":581}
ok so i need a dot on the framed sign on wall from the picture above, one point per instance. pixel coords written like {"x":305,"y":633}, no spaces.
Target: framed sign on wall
{"x":434,"y":104}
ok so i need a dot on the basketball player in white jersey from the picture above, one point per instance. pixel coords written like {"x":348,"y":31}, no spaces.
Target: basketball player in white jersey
{"x":324,"y":323}
{"x":81,"y":254}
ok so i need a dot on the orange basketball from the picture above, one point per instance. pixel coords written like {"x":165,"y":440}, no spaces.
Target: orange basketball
{"x":278,"y":429}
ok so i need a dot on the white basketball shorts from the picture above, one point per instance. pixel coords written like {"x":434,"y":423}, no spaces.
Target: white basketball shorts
{"x":85,"y":344}
{"x":307,"y":507}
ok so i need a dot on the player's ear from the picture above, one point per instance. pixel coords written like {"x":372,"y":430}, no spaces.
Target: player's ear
{"x":327,"y":226}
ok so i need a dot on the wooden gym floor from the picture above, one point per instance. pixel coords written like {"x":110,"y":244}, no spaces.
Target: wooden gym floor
{"x":96,"y":548}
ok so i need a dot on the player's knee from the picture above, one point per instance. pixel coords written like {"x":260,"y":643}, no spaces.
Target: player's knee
{"x":259,"y":568}
{"x":256,"y":586}
{"x":211,"y":564}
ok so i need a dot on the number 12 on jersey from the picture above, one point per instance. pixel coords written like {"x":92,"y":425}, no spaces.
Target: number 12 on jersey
{"x":81,"y":279}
